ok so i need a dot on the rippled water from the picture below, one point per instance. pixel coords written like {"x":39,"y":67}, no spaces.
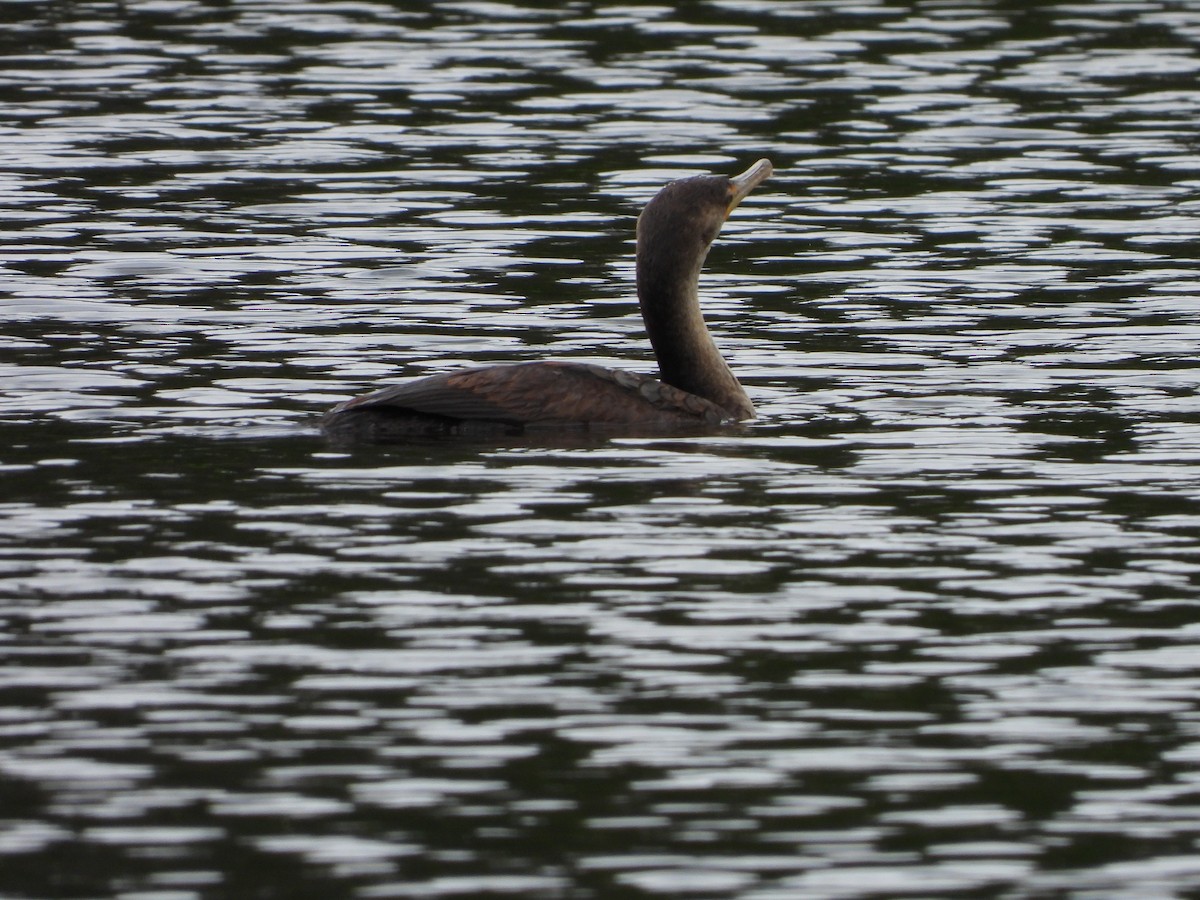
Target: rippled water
{"x":930,"y":627}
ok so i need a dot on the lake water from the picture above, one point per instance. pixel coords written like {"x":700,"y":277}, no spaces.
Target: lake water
{"x":929,"y":627}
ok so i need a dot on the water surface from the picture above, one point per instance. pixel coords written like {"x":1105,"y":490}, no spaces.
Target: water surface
{"x":929,"y":627}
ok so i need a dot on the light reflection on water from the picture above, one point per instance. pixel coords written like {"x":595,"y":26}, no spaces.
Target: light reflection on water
{"x":926,"y":628}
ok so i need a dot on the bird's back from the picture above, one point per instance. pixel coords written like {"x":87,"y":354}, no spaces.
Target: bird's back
{"x":508,"y":399}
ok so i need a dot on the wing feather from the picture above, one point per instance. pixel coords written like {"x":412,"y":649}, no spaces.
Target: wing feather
{"x":543,"y":393}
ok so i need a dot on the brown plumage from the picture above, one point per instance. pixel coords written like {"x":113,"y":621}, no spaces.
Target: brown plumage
{"x":697,"y":389}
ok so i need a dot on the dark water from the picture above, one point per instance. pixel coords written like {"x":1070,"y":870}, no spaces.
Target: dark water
{"x":931,"y":627}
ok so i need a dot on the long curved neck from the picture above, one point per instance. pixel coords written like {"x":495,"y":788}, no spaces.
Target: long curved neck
{"x":668,"y":292}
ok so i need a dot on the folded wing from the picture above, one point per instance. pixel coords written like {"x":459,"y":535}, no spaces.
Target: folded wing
{"x":549,"y":393}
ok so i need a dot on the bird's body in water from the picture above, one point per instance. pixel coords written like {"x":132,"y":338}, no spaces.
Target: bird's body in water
{"x":695,"y":390}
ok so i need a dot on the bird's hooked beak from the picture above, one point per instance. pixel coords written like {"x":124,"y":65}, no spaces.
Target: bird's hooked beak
{"x":741,"y":185}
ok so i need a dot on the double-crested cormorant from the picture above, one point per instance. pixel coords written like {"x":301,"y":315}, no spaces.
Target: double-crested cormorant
{"x":697,"y":388}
